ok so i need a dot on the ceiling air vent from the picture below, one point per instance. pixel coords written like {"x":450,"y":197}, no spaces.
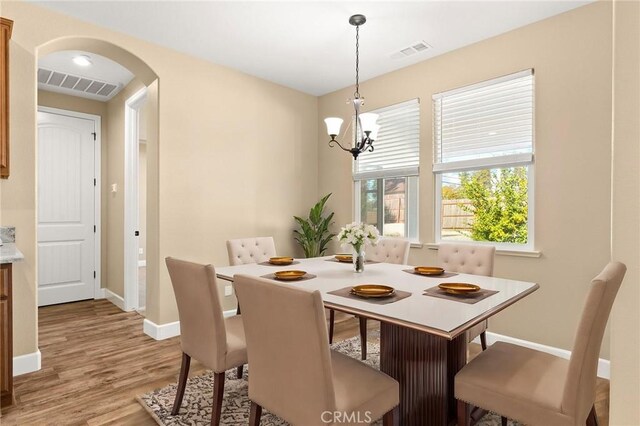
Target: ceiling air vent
{"x":53,"y":79}
{"x":414,"y":48}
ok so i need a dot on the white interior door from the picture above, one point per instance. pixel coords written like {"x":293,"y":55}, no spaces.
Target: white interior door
{"x":66,"y":208}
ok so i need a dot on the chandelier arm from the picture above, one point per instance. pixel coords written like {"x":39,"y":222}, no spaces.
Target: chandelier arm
{"x":331,"y":144}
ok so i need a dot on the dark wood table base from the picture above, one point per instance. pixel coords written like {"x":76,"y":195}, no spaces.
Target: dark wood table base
{"x":425,"y":366}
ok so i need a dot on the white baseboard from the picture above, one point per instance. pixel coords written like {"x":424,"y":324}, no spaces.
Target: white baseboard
{"x":161,"y":331}
{"x":28,"y":363}
{"x":142,"y":263}
{"x":604,"y":365}
{"x":101,"y":294}
{"x":114,"y":298}
{"x":172,"y":329}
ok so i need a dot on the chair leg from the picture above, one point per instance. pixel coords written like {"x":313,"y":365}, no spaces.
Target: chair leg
{"x":363,"y":337}
{"x":182,"y":383}
{"x":332,"y":319}
{"x":238,"y":309}
{"x":504,"y":421}
{"x":240,"y":372}
{"x":218,"y":392}
{"x":483,"y":340}
{"x":255,"y":414}
{"x":464,"y":411}
{"x":592,"y":420}
{"x":387,"y":419}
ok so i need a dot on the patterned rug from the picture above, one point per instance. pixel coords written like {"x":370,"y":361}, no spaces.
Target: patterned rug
{"x":196,"y":405}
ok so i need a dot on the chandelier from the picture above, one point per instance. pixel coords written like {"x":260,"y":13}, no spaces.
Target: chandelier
{"x":366,"y":129}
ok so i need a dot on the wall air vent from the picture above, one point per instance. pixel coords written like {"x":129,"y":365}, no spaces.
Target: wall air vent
{"x":414,"y":48}
{"x":76,"y":85}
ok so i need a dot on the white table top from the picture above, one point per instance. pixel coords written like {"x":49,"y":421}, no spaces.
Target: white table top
{"x":437,"y":316}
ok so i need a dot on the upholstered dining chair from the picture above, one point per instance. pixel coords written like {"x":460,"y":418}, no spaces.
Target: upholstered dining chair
{"x":294,"y":373}
{"x":389,"y":250}
{"x":537,"y":388}
{"x":250,"y":250}
{"x":473,"y":259}
{"x":205,"y":335}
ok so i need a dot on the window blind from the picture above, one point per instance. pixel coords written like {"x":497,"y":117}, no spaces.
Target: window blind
{"x":397,"y":148}
{"x":485,"y":124}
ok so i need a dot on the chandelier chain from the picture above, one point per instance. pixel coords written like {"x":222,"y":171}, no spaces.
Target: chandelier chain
{"x":357,"y":93}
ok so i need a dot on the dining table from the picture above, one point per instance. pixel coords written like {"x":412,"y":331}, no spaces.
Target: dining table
{"x":423,"y":332}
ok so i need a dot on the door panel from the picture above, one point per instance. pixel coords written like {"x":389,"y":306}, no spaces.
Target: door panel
{"x":66,"y":209}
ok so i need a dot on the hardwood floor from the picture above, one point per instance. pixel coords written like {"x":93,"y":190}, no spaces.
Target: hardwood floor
{"x":96,"y":359}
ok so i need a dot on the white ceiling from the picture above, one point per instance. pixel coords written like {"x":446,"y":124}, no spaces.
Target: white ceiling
{"x":102,"y":70}
{"x":309,"y":45}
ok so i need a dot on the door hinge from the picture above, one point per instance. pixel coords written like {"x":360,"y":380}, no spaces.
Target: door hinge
{"x":94,"y":274}
{"x":94,"y":229}
{"x":94,"y":135}
{"x":95,"y":181}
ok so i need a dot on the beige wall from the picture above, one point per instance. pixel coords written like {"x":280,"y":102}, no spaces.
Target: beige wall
{"x":625,"y":337}
{"x":571,"y":55}
{"x":234,"y":156}
{"x":88,"y":106}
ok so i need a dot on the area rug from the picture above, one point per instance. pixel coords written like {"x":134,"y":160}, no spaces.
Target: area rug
{"x":196,"y":405}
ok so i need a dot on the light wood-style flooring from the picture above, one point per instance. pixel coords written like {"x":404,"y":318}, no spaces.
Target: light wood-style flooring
{"x":96,"y":359}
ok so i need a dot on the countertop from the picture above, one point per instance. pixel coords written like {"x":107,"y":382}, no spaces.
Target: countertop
{"x":9,"y":253}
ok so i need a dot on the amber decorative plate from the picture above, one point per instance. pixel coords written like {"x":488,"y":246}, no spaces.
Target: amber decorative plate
{"x":281,"y":260}
{"x":344,"y":258}
{"x":289,"y":275}
{"x":459,"y":288}
{"x":373,"y":290}
{"x":428,"y":270}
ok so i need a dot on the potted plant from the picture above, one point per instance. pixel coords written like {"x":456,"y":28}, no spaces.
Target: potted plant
{"x":314,"y":235}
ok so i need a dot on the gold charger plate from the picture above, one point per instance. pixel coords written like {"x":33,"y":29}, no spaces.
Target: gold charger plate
{"x":289,"y":275}
{"x":373,"y":290}
{"x":459,"y":288}
{"x":344,"y":258}
{"x":281,"y":260}
{"x":428,"y":270}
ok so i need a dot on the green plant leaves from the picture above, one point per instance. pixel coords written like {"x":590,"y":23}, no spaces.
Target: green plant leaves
{"x":313,"y":234}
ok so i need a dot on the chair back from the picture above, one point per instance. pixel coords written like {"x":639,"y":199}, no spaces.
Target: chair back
{"x":288,"y":349}
{"x":250,"y":250}
{"x":579,"y":392}
{"x":390,"y":250}
{"x":202,"y":328}
{"x":473,"y":259}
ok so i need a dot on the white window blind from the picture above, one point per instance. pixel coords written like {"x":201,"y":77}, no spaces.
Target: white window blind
{"x":485,"y":124}
{"x":397,"y":148}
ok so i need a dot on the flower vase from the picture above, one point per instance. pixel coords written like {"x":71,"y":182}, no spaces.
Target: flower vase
{"x":358,"y":259}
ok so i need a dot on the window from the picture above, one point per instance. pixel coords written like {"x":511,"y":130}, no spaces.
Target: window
{"x":386,"y":180}
{"x":483,"y":162}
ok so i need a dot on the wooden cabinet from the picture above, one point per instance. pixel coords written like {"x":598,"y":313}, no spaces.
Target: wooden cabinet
{"x":6,"y":337}
{"x":5,"y":35}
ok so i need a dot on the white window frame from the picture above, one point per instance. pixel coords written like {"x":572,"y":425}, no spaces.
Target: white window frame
{"x":508,"y":161}
{"x":411,"y":175}
{"x":412,"y":206}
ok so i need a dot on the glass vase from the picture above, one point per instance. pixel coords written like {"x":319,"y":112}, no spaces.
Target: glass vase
{"x":358,"y":259}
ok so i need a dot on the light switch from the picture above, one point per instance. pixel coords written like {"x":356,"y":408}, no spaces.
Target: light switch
{"x":114,"y":188}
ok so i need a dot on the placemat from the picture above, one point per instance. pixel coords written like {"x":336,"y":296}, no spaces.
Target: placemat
{"x":470,"y":299}
{"x":295,"y":262}
{"x":346,"y":292}
{"x":443,"y":275}
{"x":366,"y":262}
{"x":304,"y":278}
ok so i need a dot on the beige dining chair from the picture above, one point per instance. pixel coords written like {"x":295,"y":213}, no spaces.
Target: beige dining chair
{"x":473,"y":259}
{"x":250,"y":250}
{"x":537,"y":388}
{"x":205,"y":335}
{"x":389,"y":250}
{"x":294,"y":373}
